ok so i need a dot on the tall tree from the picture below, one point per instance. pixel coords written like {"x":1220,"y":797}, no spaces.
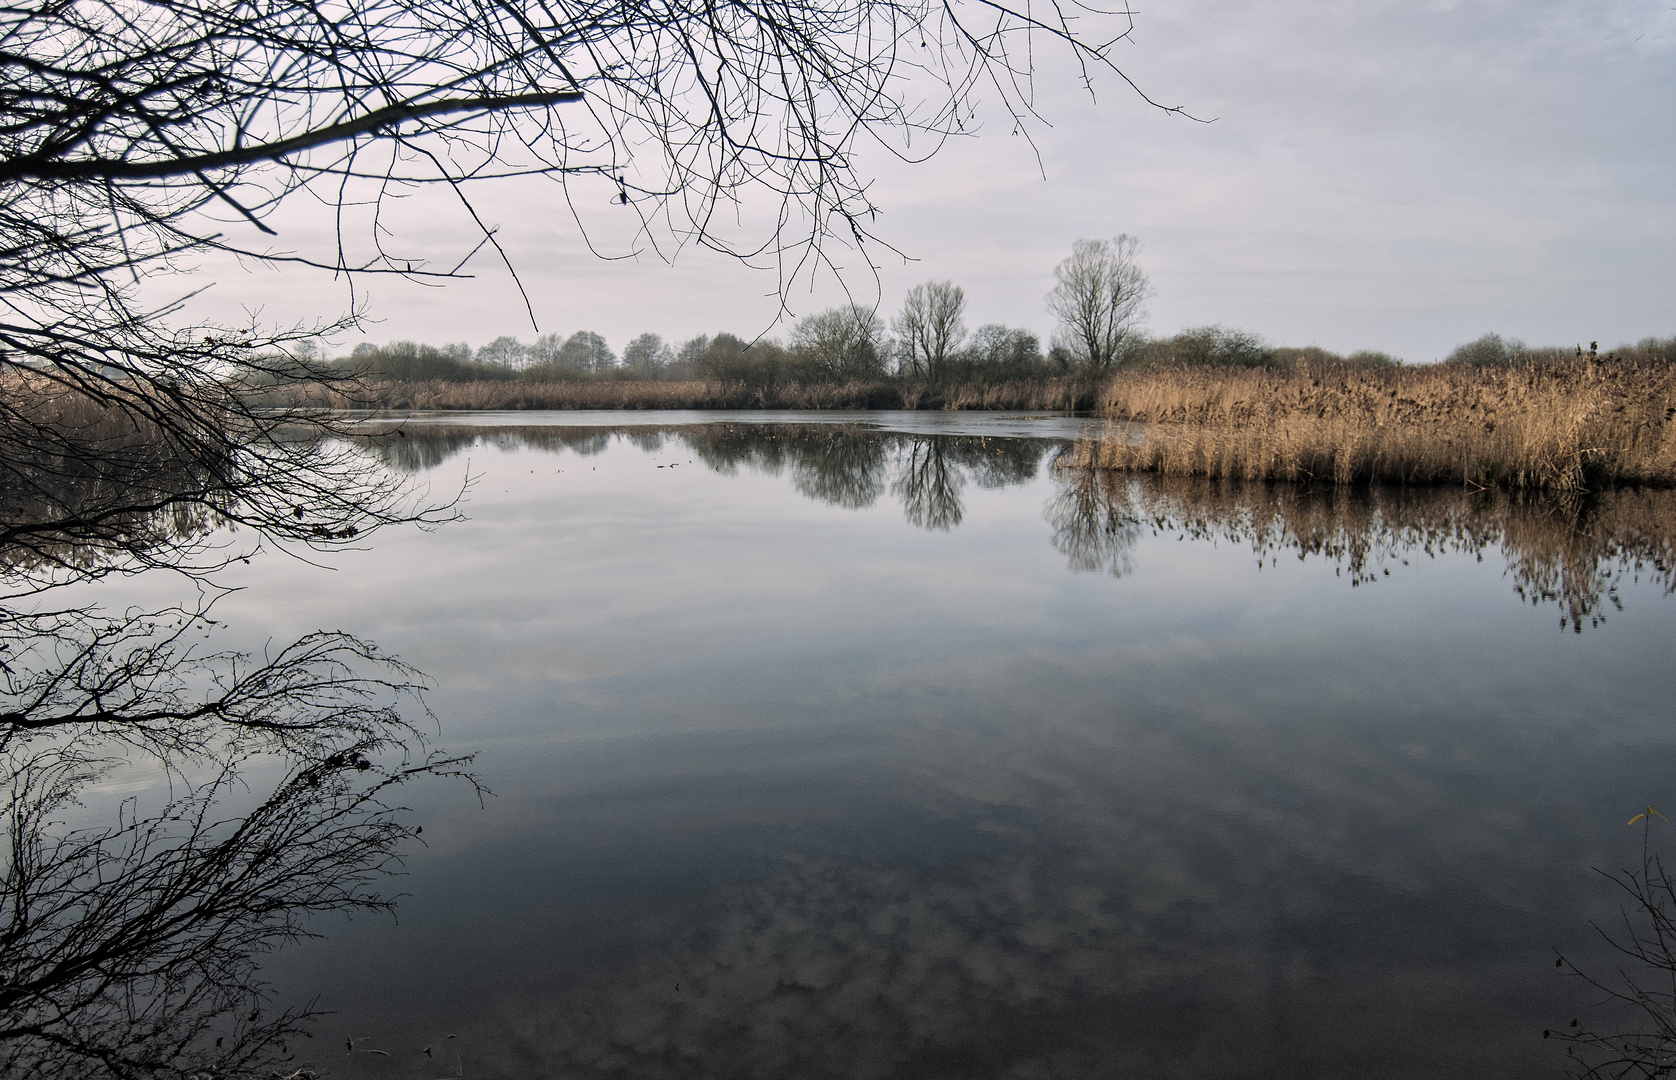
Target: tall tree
{"x":544,"y":350}
{"x":647,"y":356}
{"x":586,"y":351}
{"x":930,"y":328}
{"x":505,"y":351}
{"x":1099,"y":299}
{"x":841,"y":343}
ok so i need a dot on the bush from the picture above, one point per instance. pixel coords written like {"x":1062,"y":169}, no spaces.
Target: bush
{"x":1207,"y":346}
{"x":1489,"y":349}
{"x":404,"y":361}
{"x":730,"y":360}
{"x":999,"y":354}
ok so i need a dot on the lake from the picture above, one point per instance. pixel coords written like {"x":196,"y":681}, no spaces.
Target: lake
{"x":876,"y":745}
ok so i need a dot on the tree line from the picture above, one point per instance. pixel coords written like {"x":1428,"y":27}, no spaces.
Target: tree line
{"x":1098,"y":301}
{"x":839,"y":345}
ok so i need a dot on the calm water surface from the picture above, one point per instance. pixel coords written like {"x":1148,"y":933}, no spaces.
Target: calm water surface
{"x":884,"y":748}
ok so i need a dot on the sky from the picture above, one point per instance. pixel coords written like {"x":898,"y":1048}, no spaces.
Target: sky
{"x":1369,"y":174}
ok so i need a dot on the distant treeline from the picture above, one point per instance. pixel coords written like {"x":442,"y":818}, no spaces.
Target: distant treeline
{"x":1098,"y":302}
{"x":832,"y":348}
{"x":839,"y":348}
{"x":1494,"y":350}
{"x":1058,"y":394}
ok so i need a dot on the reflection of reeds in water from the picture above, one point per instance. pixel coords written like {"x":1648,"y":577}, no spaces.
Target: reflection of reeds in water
{"x":1567,"y":548}
{"x":1570,"y":550}
{"x":1563,"y":426}
{"x":84,"y":481}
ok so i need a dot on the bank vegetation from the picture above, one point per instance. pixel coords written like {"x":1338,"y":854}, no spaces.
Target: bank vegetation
{"x":1540,"y":421}
{"x":1059,"y":394}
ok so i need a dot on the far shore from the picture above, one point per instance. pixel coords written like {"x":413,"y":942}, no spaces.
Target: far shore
{"x":1060,"y":394}
{"x":1570,"y":424}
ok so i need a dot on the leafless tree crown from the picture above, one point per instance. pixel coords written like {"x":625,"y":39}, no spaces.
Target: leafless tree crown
{"x":125,"y":127}
{"x":930,"y":328}
{"x":1099,"y":298}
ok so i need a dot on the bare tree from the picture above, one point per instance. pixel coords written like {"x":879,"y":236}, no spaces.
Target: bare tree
{"x":544,"y":350}
{"x":1000,"y":351}
{"x":506,"y":351}
{"x":930,"y":328}
{"x":1100,"y":300}
{"x":134,"y":138}
{"x":138,"y":138}
{"x":586,"y":351}
{"x":647,"y":356}
{"x":841,"y":343}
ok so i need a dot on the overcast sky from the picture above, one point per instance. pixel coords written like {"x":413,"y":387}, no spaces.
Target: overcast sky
{"x":1402,"y":176}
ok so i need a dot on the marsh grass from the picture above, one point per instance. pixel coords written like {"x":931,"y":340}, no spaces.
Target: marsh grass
{"x":1058,"y":394}
{"x":84,"y":478}
{"x":1561,"y":425}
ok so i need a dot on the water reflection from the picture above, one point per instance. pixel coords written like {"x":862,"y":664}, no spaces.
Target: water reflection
{"x":1572,"y":551}
{"x":169,"y":812}
{"x":84,"y":491}
{"x":841,"y":465}
{"x":960,"y":814}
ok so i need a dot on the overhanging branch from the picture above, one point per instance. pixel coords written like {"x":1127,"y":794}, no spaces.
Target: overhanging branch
{"x":27,"y":168}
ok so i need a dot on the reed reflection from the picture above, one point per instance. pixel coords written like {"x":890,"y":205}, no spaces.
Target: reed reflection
{"x":1574,"y":551}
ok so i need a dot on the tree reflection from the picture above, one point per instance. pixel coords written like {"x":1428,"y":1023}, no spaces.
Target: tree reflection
{"x":1091,"y":528}
{"x":929,"y":485}
{"x":131,"y":929}
{"x":839,"y":467}
{"x":1572,"y":551}
{"x":844,"y":465}
{"x":130,"y":949}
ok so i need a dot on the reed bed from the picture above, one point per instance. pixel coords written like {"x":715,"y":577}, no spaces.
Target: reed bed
{"x":85,"y":479}
{"x":1058,"y":394}
{"x":1569,"y":426}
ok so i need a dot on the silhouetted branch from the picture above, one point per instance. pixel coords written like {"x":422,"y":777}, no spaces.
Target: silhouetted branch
{"x":1642,"y":1042}
{"x":130,"y":951}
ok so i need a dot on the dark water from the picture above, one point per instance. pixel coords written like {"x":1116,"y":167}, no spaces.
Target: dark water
{"x":834,"y":750}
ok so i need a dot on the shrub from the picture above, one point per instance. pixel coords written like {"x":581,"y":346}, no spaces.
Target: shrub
{"x":405,"y":361}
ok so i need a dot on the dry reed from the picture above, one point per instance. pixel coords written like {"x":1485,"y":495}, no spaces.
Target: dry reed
{"x":1562,"y":426}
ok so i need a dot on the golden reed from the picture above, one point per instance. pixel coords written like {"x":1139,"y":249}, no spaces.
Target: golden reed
{"x":1561,"y":425}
